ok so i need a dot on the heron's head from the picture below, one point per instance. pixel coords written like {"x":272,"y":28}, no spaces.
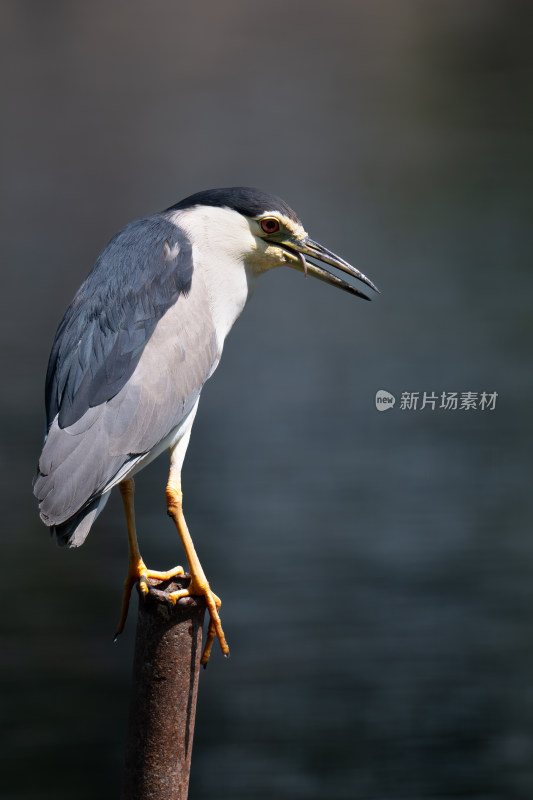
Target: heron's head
{"x":267,"y":233}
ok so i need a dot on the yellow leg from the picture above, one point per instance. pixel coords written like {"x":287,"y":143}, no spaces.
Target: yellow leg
{"x":199,"y":584}
{"x":137,"y":570}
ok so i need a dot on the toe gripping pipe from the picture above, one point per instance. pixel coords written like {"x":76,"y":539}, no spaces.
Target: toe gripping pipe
{"x":166,"y":666}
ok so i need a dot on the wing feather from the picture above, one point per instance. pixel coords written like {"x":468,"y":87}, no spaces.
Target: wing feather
{"x":148,"y":376}
{"x":137,"y":278}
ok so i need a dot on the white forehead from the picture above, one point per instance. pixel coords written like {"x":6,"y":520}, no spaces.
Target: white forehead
{"x":295,"y":228}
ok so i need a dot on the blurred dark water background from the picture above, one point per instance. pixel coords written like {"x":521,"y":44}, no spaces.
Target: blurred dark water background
{"x":376,"y":568}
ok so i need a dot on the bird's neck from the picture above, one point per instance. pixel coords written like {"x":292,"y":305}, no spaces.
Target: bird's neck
{"x":228,"y":286}
{"x":221,"y":240}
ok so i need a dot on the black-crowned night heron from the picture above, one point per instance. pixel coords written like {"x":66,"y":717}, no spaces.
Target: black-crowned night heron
{"x":141,"y":337}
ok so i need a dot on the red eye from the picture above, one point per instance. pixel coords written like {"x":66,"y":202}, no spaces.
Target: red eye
{"x":270,"y":225}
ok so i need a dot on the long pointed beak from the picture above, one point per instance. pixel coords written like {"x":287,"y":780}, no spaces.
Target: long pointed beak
{"x":298,"y":249}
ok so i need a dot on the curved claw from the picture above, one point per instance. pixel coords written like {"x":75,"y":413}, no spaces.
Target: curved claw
{"x":209,"y":639}
{"x":197,"y":588}
{"x":137,"y":571}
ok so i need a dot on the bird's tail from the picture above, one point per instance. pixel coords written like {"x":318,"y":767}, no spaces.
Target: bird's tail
{"x":75,"y":530}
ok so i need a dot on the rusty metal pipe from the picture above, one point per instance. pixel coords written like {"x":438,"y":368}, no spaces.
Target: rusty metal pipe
{"x":166,"y":666}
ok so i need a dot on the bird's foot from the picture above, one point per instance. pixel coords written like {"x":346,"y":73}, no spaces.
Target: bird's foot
{"x":200,"y":587}
{"x":137,"y":572}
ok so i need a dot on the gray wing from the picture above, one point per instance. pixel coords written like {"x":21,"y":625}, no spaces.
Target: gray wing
{"x":138,"y":277}
{"x":150,"y":368}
